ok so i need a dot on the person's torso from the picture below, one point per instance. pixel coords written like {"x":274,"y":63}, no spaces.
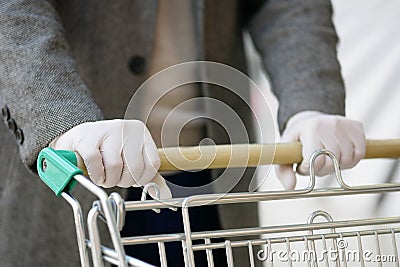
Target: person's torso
{"x":113,"y":44}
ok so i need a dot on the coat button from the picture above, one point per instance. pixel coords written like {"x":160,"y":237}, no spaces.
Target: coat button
{"x":137,"y":64}
{"x":12,"y":125}
{"x":19,"y":135}
{"x":5,"y":113}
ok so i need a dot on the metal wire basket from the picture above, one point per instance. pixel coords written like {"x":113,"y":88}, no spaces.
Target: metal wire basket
{"x":312,"y":243}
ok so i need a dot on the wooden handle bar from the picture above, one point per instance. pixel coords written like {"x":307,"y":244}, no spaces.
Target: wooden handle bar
{"x":251,"y":155}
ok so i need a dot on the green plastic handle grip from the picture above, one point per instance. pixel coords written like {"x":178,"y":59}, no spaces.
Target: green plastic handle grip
{"x":57,"y":169}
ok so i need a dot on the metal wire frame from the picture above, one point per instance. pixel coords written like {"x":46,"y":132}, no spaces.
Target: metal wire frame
{"x":291,"y":236}
{"x":99,"y":252}
{"x":273,"y":230}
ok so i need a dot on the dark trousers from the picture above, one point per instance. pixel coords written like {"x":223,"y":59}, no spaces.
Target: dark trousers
{"x":204,"y":218}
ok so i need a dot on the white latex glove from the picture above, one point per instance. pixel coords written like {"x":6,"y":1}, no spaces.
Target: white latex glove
{"x":345,"y":138}
{"x":116,"y":153}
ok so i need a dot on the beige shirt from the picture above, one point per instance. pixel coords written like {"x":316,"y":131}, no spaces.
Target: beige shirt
{"x":174,"y":43}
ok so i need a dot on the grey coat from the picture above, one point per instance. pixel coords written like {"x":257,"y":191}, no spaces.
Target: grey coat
{"x":67,"y":62}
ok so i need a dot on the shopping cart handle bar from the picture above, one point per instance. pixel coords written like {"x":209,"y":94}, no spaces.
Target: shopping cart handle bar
{"x":58,"y":173}
{"x":252,"y":155}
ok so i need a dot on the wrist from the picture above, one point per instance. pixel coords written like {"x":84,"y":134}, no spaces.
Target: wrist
{"x":301,"y":116}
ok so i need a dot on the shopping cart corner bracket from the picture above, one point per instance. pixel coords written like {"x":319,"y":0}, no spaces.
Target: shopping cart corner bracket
{"x":57,"y":169}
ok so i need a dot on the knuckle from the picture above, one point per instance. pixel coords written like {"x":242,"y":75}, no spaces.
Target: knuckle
{"x":327,"y":169}
{"x":279,"y":171}
{"x":110,"y":181}
{"x":113,"y":165}
{"x":334,"y":123}
{"x":346,"y":165}
{"x":135,"y":176}
{"x":328,"y":121}
{"x":97,"y":178}
{"x":328,"y":165}
{"x":346,"y":161}
{"x":358,"y":154}
{"x":90,"y":157}
{"x":335,"y":150}
{"x":127,"y":179}
{"x":133,"y":168}
{"x":359,"y":125}
{"x":319,"y":162}
{"x":155,"y":163}
{"x":112,"y":178}
{"x":125,"y":183}
{"x":108,"y":185}
{"x":303,"y":168}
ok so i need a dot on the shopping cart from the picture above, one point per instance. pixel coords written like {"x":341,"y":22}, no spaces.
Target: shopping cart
{"x":311,"y":238}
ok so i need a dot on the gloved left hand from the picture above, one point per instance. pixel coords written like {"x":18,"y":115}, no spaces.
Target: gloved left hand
{"x":345,"y":138}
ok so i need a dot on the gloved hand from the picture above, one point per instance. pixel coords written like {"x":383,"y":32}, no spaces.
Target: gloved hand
{"x":116,"y":153}
{"x":345,"y":138}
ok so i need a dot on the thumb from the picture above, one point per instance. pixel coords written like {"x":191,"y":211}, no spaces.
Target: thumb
{"x":165,"y":192}
{"x":286,"y":176}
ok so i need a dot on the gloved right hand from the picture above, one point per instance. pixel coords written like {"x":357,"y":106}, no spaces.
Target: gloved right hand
{"x":116,"y":153}
{"x":345,"y":138}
